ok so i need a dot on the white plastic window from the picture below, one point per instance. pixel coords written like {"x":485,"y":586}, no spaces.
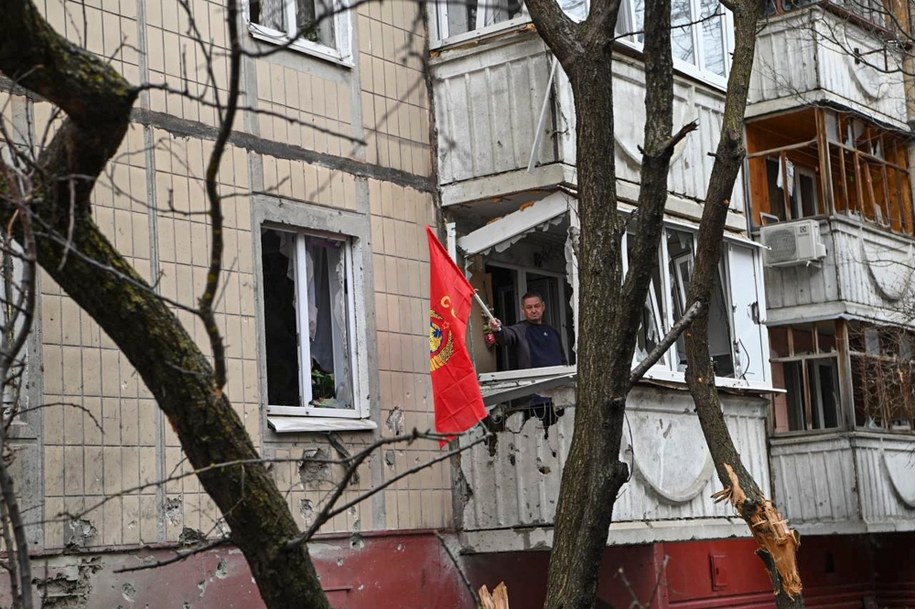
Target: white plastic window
{"x":699,"y":34}
{"x":666,"y":303}
{"x":308,"y":313}
{"x":316,"y":26}
{"x":457,"y":17}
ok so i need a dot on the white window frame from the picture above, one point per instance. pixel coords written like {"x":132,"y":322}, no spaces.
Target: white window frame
{"x":667,"y":368}
{"x":340,"y":52}
{"x":696,"y":70}
{"x":662,"y":317}
{"x":353,"y":229}
{"x":443,"y":37}
{"x":440,"y":22}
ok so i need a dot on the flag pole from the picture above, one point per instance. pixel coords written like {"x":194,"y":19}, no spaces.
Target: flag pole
{"x":483,"y":306}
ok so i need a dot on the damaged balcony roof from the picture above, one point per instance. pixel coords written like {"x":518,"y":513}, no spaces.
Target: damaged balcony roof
{"x":500,"y":234}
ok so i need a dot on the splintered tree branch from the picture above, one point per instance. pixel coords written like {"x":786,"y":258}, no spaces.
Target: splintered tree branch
{"x":778,"y":543}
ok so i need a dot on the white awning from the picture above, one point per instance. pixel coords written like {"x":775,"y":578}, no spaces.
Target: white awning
{"x":507,"y":230}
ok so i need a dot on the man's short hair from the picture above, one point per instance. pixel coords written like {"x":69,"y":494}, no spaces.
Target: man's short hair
{"x":532,"y":295}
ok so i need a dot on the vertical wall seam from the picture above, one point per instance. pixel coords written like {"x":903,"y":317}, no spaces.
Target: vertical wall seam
{"x":154,"y":267}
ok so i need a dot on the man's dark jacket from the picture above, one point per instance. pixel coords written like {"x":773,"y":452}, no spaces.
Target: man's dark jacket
{"x":533,"y":351}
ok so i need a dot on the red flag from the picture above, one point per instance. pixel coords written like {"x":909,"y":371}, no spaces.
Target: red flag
{"x":456,"y":391}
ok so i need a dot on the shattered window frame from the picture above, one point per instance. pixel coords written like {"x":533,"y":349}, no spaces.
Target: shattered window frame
{"x":313,"y":268}
{"x":672,"y":295}
{"x":883,"y":377}
{"x":850,"y":167}
{"x":808,"y":359}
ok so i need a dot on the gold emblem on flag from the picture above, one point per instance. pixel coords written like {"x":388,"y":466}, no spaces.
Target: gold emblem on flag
{"x":441,"y":341}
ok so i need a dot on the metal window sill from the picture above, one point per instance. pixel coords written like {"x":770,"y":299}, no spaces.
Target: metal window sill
{"x":300,"y":424}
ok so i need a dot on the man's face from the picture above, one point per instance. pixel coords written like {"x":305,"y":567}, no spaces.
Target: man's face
{"x":533,"y":309}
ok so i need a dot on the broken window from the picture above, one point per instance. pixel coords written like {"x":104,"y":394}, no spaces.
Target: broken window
{"x":654,"y":313}
{"x":698,"y":32}
{"x":805,"y":363}
{"x":666,"y":303}
{"x":817,"y":162}
{"x":508,"y":285}
{"x":680,"y":253}
{"x":310,"y":24}
{"x":883,"y":376}
{"x":307,"y":319}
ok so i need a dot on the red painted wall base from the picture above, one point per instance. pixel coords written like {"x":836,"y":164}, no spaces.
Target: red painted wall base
{"x":411,"y":570}
{"x":839,"y":572}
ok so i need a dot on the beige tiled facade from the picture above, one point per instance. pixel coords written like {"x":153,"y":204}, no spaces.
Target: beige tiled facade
{"x":318,"y":135}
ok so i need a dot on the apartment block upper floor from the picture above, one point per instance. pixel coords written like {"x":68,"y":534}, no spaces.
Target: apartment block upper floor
{"x":505,"y":115}
{"x":830,"y":194}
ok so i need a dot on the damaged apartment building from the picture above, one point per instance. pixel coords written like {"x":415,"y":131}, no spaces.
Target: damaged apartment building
{"x":810,"y":321}
{"x":811,"y":341}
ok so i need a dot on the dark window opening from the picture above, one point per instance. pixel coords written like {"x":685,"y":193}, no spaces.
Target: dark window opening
{"x":306,"y":319}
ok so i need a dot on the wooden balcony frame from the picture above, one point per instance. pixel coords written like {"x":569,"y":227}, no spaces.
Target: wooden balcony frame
{"x":853,"y":178}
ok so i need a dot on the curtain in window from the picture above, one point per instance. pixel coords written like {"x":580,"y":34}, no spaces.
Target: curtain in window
{"x":326,"y":266}
{"x":269,"y":13}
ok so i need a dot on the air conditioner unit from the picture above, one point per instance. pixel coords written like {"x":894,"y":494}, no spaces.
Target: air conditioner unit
{"x":792,"y":243}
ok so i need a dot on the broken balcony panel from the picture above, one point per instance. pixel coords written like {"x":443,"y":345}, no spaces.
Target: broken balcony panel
{"x":514,"y":480}
{"x":500,"y":387}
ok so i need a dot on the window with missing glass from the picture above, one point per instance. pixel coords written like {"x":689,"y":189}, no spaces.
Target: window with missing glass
{"x":805,"y":363}
{"x":817,"y":162}
{"x":308,"y":305}
{"x":883,"y":376}
{"x":666,"y":302}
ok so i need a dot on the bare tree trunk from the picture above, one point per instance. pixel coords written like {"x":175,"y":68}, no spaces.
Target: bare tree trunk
{"x":777,"y":543}
{"x":97,"y":102}
{"x":593,"y":474}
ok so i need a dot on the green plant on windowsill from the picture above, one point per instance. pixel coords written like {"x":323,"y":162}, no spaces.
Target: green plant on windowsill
{"x":323,"y":388}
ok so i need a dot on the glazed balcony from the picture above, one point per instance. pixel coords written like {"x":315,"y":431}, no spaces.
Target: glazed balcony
{"x":506,"y":124}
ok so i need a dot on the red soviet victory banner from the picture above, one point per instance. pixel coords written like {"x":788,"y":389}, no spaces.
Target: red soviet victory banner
{"x":455,"y":389}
